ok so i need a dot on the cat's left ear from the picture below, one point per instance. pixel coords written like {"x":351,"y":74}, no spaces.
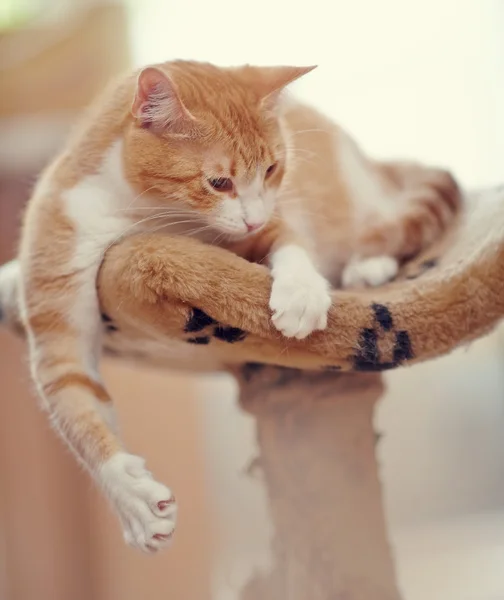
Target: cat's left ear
{"x":157,"y":103}
{"x":273,"y":80}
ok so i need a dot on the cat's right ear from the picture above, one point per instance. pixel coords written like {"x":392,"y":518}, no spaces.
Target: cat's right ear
{"x":157,"y":104}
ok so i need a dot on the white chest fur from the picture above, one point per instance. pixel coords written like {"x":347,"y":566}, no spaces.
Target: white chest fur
{"x":96,"y":206}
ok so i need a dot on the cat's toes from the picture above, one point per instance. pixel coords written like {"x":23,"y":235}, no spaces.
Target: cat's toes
{"x":300,"y":304}
{"x":146,"y":508}
{"x":370,"y":272}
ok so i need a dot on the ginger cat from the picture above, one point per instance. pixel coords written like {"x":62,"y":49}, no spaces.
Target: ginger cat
{"x":193,"y":149}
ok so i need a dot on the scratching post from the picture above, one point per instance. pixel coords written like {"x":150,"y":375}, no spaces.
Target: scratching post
{"x":317,"y":457}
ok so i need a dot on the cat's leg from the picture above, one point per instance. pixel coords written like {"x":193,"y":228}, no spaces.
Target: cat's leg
{"x":428,"y":200}
{"x":375,"y":260}
{"x":369,"y":272}
{"x":300,"y":298}
{"x":62,"y":319}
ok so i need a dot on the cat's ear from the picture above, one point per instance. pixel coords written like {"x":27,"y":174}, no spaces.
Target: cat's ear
{"x":273,"y":80}
{"x":157,"y":103}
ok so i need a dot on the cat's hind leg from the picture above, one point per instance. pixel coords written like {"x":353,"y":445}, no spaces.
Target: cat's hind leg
{"x":428,"y":201}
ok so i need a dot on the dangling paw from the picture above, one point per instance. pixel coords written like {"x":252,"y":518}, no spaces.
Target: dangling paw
{"x":370,"y":272}
{"x":146,"y":508}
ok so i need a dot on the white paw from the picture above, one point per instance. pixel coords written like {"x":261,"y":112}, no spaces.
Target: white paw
{"x":146,"y":508}
{"x":370,"y":272}
{"x":300,"y":302}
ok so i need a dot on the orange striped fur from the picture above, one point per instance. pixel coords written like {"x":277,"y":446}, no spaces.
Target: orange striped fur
{"x":77,"y":380}
{"x":220,"y":154}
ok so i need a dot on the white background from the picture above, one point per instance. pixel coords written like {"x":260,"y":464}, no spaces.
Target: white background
{"x":419,"y":78}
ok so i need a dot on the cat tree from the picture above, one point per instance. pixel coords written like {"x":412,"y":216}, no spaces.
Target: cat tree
{"x":313,"y":400}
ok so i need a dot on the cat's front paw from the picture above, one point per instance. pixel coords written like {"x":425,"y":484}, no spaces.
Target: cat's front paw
{"x":370,"y":272}
{"x":300,"y":303}
{"x":146,"y":508}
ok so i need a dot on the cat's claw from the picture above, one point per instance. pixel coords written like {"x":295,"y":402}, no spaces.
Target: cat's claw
{"x":370,"y":272}
{"x":300,"y":303}
{"x":146,"y":508}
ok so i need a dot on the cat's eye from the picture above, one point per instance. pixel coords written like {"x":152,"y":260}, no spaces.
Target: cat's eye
{"x":271,"y":169}
{"x":221,"y":184}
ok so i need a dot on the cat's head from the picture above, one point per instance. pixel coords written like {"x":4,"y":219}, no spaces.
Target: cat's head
{"x":209,"y":140}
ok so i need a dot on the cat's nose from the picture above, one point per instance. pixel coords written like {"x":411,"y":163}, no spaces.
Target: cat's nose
{"x":253,"y":226}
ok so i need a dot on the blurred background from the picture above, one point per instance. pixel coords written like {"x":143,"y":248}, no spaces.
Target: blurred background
{"x":420,"y":79}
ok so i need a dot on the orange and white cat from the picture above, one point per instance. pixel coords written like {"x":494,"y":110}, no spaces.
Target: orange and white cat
{"x":193,"y":149}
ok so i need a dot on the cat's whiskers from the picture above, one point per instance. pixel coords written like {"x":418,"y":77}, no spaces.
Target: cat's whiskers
{"x":175,"y":203}
{"x":140,"y":195}
{"x":295,"y":148}
{"x":189,"y":232}
{"x":222,"y":235}
{"x":164,"y":208}
{"x":265,"y":258}
{"x":301,"y":153}
{"x":166,"y":214}
{"x":293,"y":134}
{"x":137,"y":223}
